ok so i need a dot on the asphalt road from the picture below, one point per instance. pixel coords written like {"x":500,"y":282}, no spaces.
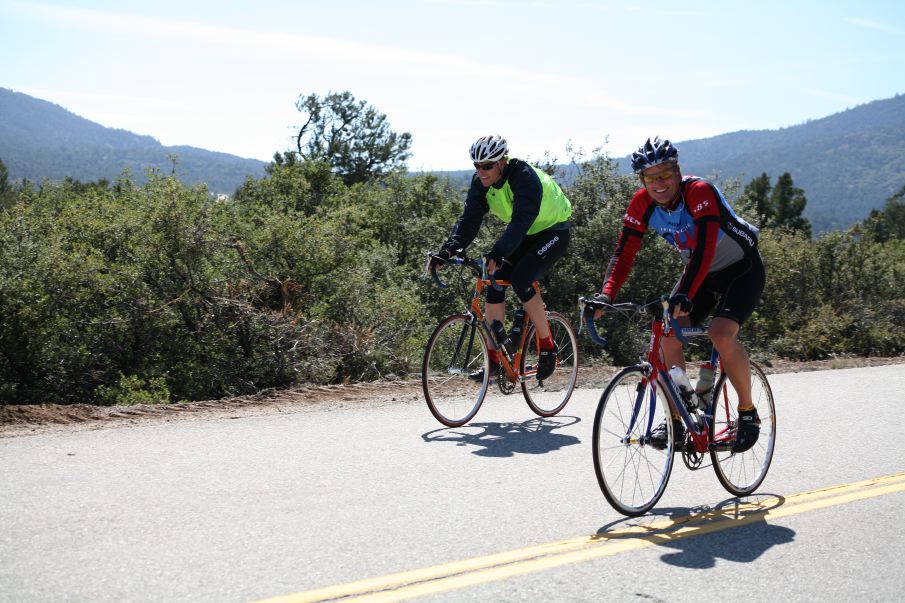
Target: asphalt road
{"x":505,"y":509}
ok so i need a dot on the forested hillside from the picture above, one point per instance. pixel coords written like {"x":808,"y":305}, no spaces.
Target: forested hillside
{"x":847,"y":164}
{"x":40,"y":140}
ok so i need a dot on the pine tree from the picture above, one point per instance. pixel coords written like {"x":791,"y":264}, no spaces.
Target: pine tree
{"x":787,"y":203}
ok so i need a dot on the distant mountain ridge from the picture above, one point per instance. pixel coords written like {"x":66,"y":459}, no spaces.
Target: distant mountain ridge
{"x":39,"y":139}
{"x":847,"y":163}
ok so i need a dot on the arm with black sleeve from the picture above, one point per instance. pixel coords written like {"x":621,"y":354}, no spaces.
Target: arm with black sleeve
{"x":469,"y":223}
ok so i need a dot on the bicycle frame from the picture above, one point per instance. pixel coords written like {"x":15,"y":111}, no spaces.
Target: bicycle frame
{"x":475,"y":312}
{"x":459,"y":362}
{"x":656,"y":372}
{"x":699,"y":431}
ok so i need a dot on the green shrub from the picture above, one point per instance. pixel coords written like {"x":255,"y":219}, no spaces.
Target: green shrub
{"x":119,"y":293}
{"x":131,"y":390}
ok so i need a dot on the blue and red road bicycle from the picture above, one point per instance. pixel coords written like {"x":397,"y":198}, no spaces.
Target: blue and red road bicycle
{"x":633,"y":473}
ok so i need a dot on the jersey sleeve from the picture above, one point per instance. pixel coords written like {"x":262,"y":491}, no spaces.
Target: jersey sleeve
{"x":634,"y":225}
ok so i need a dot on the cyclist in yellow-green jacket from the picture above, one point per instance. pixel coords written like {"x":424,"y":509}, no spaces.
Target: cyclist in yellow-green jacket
{"x":537,"y":214}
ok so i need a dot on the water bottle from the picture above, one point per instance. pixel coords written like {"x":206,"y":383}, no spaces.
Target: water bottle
{"x":499,"y":333}
{"x":681,"y":380}
{"x":704,"y":385}
{"x":515,"y":334}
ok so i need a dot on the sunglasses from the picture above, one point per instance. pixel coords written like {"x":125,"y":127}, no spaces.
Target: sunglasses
{"x":654,"y":178}
{"x":485,"y":167}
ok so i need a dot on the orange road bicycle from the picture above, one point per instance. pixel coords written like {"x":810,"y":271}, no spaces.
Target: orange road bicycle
{"x":632,"y":471}
{"x":458,"y":349}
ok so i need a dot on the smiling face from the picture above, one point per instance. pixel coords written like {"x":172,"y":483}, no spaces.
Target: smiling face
{"x":662,"y":183}
{"x":490,"y":173}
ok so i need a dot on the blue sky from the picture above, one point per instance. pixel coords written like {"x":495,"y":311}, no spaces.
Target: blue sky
{"x":225,"y":75}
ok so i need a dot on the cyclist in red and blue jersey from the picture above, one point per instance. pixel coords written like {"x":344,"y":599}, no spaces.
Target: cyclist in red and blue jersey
{"x":723,"y":274}
{"x":536,"y":213}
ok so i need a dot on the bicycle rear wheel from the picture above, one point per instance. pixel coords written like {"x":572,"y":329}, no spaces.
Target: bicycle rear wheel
{"x":631,"y":473}
{"x":454,"y":350}
{"x":741,"y":473}
{"x":548,"y":397}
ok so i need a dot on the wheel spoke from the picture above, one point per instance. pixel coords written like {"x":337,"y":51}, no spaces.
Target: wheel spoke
{"x":632,"y":476}
{"x":452,"y":397}
{"x":741,"y":473}
{"x":548,"y":397}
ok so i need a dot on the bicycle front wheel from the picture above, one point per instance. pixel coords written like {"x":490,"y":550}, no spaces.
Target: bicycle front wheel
{"x":546,"y":398}
{"x":454,"y":351}
{"x":741,"y":473}
{"x":631,"y":473}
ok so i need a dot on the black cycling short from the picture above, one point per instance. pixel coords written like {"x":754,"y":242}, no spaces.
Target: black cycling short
{"x":734,"y":291}
{"x":536,"y":254}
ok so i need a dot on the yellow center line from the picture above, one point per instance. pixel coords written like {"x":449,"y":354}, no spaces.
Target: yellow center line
{"x":500,"y":566}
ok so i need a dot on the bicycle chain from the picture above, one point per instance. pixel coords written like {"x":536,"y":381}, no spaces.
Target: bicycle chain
{"x":502,"y":380}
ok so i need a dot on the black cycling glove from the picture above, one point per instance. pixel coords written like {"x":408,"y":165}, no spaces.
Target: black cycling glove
{"x":449,"y":250}
{"x":494,"y":255}
{"x":681,"y":301}
{"x":603,"y":298}
{"x":439,"y":259}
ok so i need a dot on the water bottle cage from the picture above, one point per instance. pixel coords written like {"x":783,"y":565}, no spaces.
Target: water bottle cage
{"x":690,"y":399}
{"x":517,"y":324}
{"x":504,"y":343}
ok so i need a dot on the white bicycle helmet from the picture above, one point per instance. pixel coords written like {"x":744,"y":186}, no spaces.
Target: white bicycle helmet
{"x":489,"y":148}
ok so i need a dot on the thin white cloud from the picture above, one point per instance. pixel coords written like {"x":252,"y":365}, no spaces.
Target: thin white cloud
{"x":874,"y":25}
{"x":325,"y":49}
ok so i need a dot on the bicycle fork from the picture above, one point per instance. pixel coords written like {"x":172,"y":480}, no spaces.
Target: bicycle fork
{"x":640,"y":389}
{"x":459,"y":365}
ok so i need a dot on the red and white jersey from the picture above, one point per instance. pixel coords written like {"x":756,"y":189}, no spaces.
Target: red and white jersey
{"x":702,"y":227}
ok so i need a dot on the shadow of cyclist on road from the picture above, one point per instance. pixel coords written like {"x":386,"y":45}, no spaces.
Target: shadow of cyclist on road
{"x":731,"y":530}
{"x":741,"y":544}
{"x":535,"y":436}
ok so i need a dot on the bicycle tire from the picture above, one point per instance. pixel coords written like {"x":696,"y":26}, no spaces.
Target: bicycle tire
{"x":741,"y":473}
{"x":631,"y":473}
{"x":454,"y":350}
{"x":548,"y":397}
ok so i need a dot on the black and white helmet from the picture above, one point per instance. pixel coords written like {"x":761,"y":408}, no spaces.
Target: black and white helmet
{"x":653,"y":153}
{"x":489,"y":148}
